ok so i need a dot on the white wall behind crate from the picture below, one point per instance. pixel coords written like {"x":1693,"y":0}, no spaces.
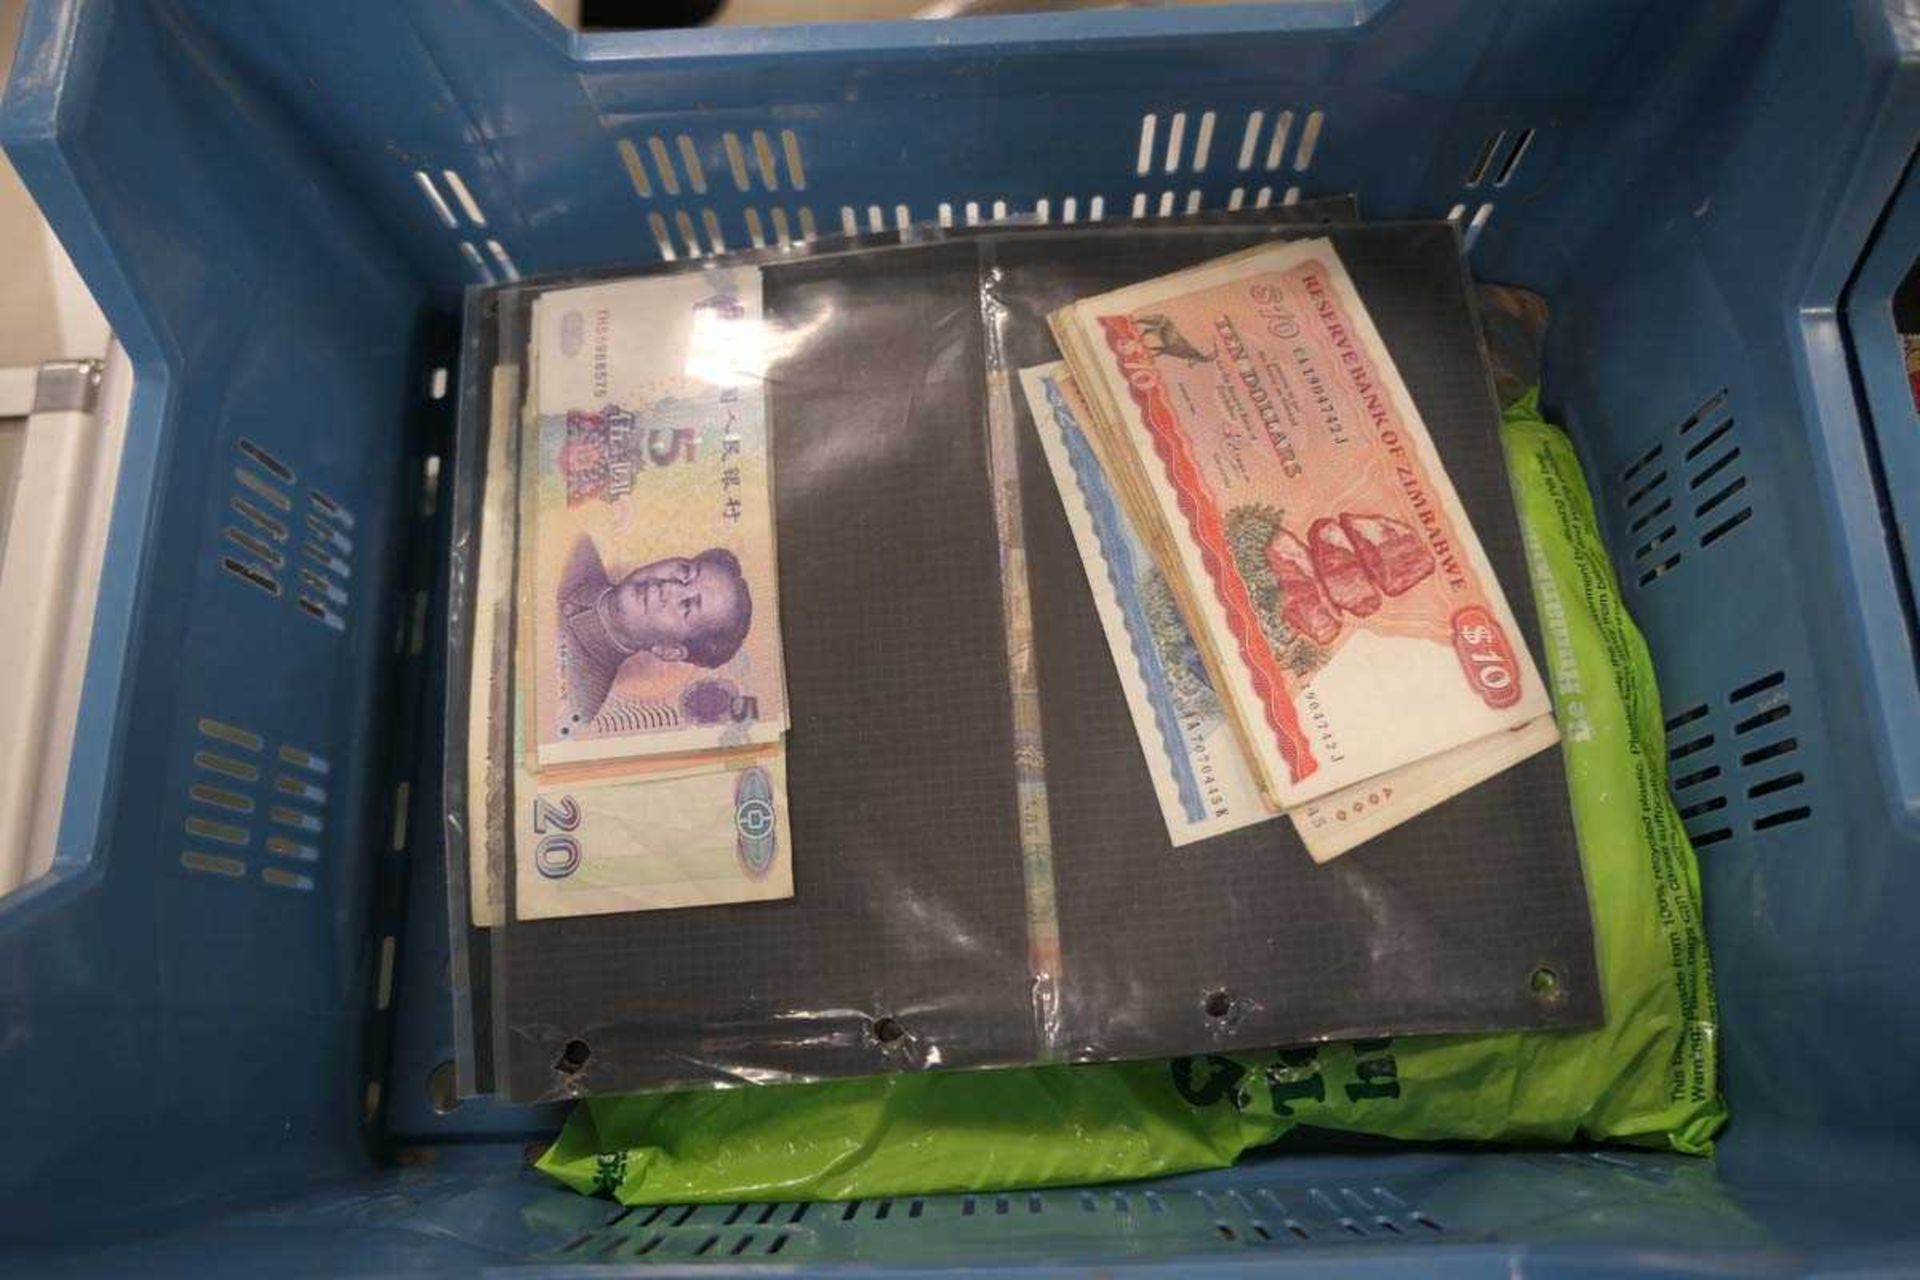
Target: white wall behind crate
{"x":56,"y":481}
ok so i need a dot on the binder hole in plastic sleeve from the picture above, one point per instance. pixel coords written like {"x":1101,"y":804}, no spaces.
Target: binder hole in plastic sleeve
{"x":573,"y":1057}
{"x":1545,"y":984}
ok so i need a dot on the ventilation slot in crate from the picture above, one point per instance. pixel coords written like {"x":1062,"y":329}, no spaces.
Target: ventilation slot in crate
{"x":1470,"y":234}
{"x":327,"y":552}
{"x":1716,"y":477}
{"x":1177,"y":157}
{"x":1494,"y":166}
{"x":664,"y":169}
{"x":1772,"y":775}
{"x":1687,"y":493}
{"x":1266,"y":140}
{"x":1251,"y":1218}
{"x":1499,"y":157}
{"x":253,"y":542}
{"x":451,"y":204}
{"x":266,"y":516}
{"x":1648,"y":504}
{"x":685,"y":234}
{"x":1737,"y":767}
{"x":251,"y":809}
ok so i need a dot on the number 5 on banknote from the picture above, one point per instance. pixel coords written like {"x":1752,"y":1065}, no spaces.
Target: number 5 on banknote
{"x":649,"y":525}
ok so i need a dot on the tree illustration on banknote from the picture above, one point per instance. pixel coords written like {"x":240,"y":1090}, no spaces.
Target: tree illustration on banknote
{"x":1288,"y":613}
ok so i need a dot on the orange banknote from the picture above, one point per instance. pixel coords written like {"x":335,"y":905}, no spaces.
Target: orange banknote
{"x":1268,"y":448}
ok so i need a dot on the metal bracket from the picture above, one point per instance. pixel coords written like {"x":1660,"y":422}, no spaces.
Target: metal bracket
{"x":67,"y":386}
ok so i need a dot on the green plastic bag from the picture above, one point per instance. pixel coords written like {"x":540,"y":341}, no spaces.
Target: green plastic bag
{"x":1648,"y":1077}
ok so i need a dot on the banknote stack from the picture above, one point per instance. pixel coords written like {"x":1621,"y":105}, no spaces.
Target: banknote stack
{"x":634,"y":750}
{"x":1302,"y":617}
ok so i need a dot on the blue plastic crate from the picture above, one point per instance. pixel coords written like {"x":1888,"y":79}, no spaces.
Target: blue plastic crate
{"x":278,"y":203}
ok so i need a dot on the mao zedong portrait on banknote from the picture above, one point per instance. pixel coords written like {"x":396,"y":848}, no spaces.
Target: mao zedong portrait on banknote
{"x":687,"y":609}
